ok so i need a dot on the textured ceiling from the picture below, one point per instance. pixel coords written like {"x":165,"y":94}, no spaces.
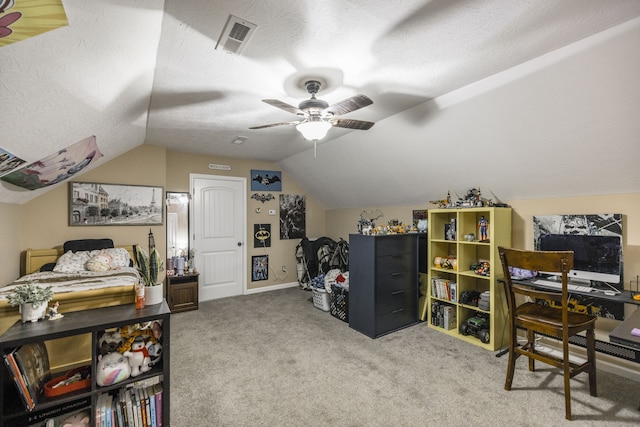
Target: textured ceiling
{"x":147,"y":71}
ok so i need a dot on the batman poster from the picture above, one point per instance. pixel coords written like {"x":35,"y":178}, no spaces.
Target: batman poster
{"x":262,"y":180}
{"x":261,"y":235}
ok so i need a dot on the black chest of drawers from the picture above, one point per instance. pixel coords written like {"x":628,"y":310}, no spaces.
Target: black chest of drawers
{"x":383,"y":283}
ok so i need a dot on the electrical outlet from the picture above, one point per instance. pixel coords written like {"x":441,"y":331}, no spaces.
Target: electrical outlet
{"x":284,"y":269}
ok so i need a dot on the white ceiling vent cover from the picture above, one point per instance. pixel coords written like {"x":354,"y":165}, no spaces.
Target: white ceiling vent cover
{"x":235,"y":35}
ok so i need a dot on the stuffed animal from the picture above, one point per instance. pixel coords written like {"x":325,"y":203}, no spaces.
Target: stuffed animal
{"x":109,"y":342}
{"x":112,"y":368}
{"x":151,"y":332}
{"x":138,"y":357}
{"x":155,"y":352}
{"x":99,"y":262}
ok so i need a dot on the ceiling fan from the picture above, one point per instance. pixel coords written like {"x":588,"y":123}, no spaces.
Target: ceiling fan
{"x":317,"y":117}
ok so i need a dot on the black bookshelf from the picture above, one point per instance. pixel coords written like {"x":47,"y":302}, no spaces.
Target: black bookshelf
{"x":93,"y":322}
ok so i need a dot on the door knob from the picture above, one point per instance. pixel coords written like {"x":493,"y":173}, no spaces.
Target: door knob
{"x":239,"y":243}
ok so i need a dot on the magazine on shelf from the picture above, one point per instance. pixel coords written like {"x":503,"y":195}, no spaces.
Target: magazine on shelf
{"x":29,"y":366}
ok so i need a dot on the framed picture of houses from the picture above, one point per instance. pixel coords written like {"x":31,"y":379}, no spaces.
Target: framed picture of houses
{"x":92,"y":203}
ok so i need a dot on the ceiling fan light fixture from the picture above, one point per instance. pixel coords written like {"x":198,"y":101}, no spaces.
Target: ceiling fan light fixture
{"x":314,"y":130}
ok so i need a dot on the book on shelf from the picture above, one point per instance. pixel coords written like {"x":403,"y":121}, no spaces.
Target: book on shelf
{"x":443,"y":289}
{"x":129,"y":407}
{"x":152,"y":405}
{"x":157,"y":388}
{"x":19,"y":381}
{"x":29,"y":366}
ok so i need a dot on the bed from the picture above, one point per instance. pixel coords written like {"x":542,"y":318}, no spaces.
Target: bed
{"x":75,"y":287}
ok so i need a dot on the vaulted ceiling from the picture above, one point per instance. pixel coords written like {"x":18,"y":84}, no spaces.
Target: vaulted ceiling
{"x":465,"y":93}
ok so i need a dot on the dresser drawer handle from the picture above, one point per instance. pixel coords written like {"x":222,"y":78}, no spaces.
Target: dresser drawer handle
{"x":397,"y":274}
{"x":397,"y":292}
{"x":397,"y":311}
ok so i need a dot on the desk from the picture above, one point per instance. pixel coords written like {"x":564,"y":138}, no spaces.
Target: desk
{"x":622,"y":344}
{"x":621,"y":349}
{"x":626,"y":297}
{"x":622,"y":334}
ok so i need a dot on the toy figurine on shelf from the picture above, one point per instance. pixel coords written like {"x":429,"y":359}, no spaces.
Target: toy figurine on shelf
{"x":443,"y":203}
{"x":53,"y":312}
{"x":483,"y":229}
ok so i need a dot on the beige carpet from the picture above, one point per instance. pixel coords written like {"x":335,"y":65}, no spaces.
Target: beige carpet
{"x":273,"y":359}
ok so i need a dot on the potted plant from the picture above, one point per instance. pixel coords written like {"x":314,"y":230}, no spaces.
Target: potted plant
{"x":192,"y":261}
{"x":33,"y":300}
{"x":149,"y":266}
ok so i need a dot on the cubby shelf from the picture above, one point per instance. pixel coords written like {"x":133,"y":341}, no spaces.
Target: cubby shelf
{"x":467,"y":253}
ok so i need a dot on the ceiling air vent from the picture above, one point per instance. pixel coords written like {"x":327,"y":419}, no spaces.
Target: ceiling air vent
{"x":235,"y":35}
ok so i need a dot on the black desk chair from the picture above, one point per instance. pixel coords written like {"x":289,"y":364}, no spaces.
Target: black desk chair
{"x":535,"y":318}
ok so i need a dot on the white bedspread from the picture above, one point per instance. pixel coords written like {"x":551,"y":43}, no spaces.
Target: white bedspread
{"x":80,"y":281}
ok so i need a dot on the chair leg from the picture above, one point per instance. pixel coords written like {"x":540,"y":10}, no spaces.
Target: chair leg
{"x":591,"y":358}
{"x":531,"y":340}
{"x":567,"y":379}
{"x":511,"y":364}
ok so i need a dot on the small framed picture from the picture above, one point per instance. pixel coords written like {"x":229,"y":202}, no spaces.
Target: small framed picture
{"x":259,"y":268}
{"x":261,"y":235}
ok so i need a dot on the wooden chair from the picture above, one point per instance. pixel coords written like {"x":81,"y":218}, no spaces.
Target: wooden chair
{"x":535,"y":318}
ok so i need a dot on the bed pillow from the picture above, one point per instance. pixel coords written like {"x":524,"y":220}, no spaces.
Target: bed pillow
{"x":119,"y":257}
{"x":48,"y":266}
{"x":72,"y":262}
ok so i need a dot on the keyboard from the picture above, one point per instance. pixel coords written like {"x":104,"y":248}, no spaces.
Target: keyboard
{"x":558,"y":285}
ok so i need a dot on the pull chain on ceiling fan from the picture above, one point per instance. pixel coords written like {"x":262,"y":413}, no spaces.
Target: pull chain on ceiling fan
{"x":317,"y":117}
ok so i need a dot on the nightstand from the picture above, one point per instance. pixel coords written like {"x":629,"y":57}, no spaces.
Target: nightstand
{"x":182,"y":292}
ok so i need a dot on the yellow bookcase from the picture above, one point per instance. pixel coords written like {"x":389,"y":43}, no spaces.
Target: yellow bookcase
{"x":461,"y":253}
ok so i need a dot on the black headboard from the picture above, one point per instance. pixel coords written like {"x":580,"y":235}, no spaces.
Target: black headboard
{"x":87,"y":245}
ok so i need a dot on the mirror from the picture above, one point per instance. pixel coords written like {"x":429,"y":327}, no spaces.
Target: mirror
{"x":177,"y":224}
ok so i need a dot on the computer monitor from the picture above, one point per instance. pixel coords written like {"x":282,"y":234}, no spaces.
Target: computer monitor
{"x":595,"y":257}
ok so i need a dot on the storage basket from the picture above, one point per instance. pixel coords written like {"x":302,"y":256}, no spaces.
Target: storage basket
{"x":339,"y":299}
{"x":320,"y":299}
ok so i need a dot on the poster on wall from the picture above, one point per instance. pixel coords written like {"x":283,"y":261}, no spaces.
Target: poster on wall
{"x":292,"y":216}
{"x":56,"y":167}
{"x":23,"y":19}
{"x":262,"y":180}
{"x":259,"y":268}
{"x":261,"y":235}
{"x":549,"y":226}
{"x":8,"y":162}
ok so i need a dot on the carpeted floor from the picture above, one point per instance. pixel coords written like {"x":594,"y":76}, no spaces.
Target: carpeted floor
{"x":273,"y":359}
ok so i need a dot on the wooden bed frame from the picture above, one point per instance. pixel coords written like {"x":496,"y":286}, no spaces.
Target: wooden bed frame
{"x":34,"y":259}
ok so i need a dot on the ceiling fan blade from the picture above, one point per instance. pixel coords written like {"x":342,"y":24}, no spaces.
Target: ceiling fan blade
{"x":275,"y":124}
{"x":351,"y":124}
{"x":348,"y":105}
{"x":283,"y":106}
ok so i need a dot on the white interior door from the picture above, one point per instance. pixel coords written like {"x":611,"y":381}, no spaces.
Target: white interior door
{"x":219,"y":234}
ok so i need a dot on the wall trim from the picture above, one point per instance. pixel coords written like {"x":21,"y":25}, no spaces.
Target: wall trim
{"x":271,"y":288}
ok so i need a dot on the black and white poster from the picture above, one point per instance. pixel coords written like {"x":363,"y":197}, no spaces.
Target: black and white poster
{"x":292,"y":216}
{"x":587,"y":225}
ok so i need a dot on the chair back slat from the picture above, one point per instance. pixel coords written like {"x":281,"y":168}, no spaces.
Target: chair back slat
{"x":547,"y":261}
